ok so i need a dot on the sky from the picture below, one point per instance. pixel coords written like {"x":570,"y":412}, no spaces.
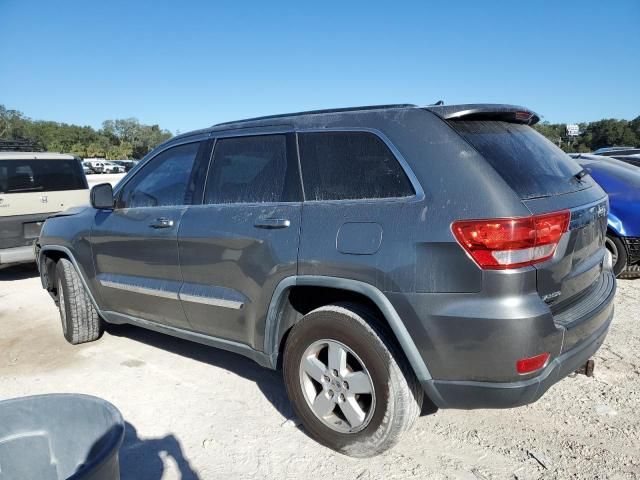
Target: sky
{"x":190,"y":64}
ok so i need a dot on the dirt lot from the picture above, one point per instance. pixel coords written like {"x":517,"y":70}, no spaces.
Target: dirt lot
{"x":197,"y":412}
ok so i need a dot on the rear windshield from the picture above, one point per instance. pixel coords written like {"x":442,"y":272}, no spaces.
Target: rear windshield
{"x":528,"y":162}
{"x":23,"y":176}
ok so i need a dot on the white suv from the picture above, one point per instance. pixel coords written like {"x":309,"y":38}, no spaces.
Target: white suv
{"x":34,"y":186}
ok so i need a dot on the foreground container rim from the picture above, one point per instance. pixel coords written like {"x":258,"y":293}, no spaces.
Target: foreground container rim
{"x":110,"y":442}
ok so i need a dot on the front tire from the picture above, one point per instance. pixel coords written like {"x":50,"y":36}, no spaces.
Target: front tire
{"x":80,"y":320}
{"x":348,"y":381}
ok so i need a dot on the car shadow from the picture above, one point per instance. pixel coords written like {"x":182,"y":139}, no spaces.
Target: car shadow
{"x":270,"y":382}
{"x":144,"y":459}
{"x":18,"y":272}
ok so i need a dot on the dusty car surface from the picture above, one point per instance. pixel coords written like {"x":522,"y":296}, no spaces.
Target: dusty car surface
{"x":378,"y":255}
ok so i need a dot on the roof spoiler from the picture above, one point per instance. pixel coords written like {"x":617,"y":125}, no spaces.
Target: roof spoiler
{"x":483,"y":111}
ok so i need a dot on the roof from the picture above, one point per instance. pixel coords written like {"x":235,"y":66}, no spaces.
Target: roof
{"x":448,"y":112}
{"x":320,"y":112}
{"x":35,"y":156}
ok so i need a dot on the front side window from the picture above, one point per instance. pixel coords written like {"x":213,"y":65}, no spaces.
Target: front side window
{"x":164,"y":181}
{"x":349,"y":166}
{"x":251,"y":169}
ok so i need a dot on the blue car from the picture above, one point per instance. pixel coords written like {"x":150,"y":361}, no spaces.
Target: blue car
{"x":622,"y":182}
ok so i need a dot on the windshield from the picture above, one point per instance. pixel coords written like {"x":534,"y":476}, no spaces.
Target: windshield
{"x":528,"y":162}
{"x":23,"y":176}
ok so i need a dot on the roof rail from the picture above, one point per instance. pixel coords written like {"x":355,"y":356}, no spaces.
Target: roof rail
{"x":316,"y":112}
{"x":20,"y":146}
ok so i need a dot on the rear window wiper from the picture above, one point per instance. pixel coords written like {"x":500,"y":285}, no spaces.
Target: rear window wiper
{"x":581,"y":174}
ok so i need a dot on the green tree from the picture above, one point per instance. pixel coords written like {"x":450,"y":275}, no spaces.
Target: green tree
{"x":121,"y":138}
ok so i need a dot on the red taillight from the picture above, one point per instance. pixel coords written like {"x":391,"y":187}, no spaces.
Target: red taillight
{"x":531,"y":364}
{"x":511,"y":242}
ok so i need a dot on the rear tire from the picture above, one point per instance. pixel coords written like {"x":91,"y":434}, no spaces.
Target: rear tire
{"x":80,"y":320}
{"x":331,"y":409}
{"x":619,"y":253}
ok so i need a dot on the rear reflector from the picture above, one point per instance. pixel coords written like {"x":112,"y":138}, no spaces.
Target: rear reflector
{"x":502,"y":243}
{"x":531,"y":364}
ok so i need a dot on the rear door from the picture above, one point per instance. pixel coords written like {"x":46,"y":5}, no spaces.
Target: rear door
{"x":135,"y":246}
{"x":243,"y":240}
{"x":548,"y":180}
{"x":31,"y":190}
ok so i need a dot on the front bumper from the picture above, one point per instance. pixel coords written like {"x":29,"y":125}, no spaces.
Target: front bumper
{"x":17,"y":255}
{"x":633,"y":249}
{"x":470,"y":394}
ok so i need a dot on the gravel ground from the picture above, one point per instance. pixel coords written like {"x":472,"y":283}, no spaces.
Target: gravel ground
{"x":197,"y":412}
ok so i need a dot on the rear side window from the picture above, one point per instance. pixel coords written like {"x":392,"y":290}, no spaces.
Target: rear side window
{"x":165,"y":181}
{"x":252,"y":169}
{"x":349,"y":166}
{"x":530,"y":164}
{"x":23,"y":176}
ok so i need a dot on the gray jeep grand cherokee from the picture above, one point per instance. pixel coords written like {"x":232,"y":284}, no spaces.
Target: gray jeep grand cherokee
{"x":377,"y":254}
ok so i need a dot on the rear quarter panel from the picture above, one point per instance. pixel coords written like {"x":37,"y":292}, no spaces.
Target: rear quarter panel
{"x":418,"y":251}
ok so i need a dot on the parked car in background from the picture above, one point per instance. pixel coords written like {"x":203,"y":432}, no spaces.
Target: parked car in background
{"x":34,"y":186}
{"x":126,"y":164}
{"x":629,"y":155}
{"x":111,"y":167}
{"x":87,"y":169}
{"x":378,"y":254}
{"x":617,"y":151}
{"x":622,"y":182}
{"x":98,"y":166}
{"x":630,"y":159}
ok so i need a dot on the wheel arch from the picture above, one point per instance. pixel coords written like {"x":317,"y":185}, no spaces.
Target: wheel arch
{"x":615,"y":225}
{"x":48,"y":257}
{"x":279,"y":320}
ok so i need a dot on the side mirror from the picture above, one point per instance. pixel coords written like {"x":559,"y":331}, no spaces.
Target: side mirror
{"x":102,"y":196}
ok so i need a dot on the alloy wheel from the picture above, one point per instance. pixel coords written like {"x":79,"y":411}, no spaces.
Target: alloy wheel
{"x":337,"y":386}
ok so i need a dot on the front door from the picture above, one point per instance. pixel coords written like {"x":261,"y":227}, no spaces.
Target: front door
{"x":135,"y":245}
{"x":243,"y":239}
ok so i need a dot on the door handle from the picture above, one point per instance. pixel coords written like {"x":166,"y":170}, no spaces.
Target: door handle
{"x":271,"y":223}
{"x":162,"y":223}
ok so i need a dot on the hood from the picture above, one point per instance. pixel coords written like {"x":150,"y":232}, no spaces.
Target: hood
{"x":70,"y":211}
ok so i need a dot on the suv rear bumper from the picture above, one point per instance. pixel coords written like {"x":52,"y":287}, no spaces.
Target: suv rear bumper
{"x":17,"y":255}
{"x":470,"y":343}
{"x":470,"y":394}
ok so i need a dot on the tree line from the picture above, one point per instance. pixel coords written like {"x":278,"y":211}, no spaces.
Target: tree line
{"x":128,"y":138}
{"x":593,"y":135}
{"x":117,"y":139}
